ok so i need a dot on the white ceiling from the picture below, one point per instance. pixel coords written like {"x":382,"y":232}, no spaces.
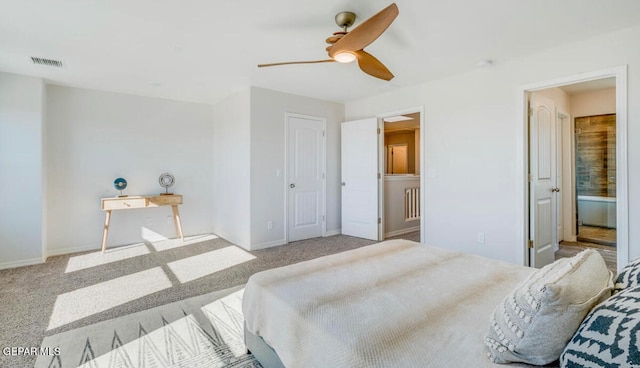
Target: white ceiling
{"x":597,"y":84}
{"x":201,"y":51}
{"x":404,"y":125}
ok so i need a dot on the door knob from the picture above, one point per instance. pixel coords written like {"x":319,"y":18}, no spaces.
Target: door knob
{"x":555,"y":189}
{"x":292,"y":185}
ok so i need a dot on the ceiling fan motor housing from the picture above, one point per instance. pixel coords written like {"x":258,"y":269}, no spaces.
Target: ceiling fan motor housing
{"x":345,"y":19}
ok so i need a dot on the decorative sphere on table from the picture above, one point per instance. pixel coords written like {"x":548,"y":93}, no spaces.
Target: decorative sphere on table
{"x":120,"y":184}
{"x":166,"y":180}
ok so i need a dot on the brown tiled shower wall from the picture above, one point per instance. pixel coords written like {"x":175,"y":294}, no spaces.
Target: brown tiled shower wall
{"x":596,"y":155}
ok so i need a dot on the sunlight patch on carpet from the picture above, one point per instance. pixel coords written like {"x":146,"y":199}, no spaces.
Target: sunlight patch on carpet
{"x":98,"y":258}
{"x":81,"y":303}
{"x":195,"y":267}
{"x":168,"y":244}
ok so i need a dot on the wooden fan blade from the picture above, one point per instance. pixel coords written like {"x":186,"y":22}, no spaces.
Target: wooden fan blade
{"x":296,"y":62}
{"x":372,"y":66}
{"x":367,"y":32}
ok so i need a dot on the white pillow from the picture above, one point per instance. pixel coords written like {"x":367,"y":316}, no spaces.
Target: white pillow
{"x":535,"y":322}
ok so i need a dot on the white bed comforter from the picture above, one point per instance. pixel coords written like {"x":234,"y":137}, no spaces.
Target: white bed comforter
{"x":391,"y":304}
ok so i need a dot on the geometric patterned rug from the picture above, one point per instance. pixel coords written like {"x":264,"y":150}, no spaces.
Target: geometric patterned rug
{"x":203,"y":331}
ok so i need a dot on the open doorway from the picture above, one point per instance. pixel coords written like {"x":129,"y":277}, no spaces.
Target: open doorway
{"x":595,"y":163}
{"x":402,"y":204}
{"x":575,"y":133}
{"x":583,"y":115}
{"x":364,"y":165}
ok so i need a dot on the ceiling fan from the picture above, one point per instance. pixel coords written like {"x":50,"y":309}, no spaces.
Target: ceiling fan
{"x":347,"y":46}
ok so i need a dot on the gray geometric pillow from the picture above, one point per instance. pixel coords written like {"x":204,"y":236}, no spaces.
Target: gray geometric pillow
{"x":535,"y":321}
{"x":628,"y":277}
{"x":609,"y":335}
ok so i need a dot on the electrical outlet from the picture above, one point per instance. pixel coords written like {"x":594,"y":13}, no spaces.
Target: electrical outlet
{"x":481,"y":237}
{"x":269,"y":225}
{"x":169,"y":220}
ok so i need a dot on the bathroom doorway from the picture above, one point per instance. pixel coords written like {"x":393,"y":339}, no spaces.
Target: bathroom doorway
{"x":401,"y":140}
{"x":595,"y":168}
{"x":574,"y":112}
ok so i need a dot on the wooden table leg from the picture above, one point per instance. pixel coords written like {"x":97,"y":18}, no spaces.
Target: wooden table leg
{"x":176,"y":221}
{"x":105,"y":232}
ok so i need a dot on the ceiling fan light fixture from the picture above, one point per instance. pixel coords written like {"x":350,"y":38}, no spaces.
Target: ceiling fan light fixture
{"x":344,"y":57}
{"x":348,"y":46}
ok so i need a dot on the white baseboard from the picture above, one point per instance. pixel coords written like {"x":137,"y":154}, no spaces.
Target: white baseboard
{"x":402,"y":231}
{"x":70,"y":250}
{"x":20,"y":263}
{"x":274,"y":243}
{"x":333,"y":232}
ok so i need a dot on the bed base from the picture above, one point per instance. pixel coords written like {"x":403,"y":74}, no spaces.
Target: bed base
{"x":264,"y":353}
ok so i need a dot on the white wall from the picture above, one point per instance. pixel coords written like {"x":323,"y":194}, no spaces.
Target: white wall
{"x":472,"y":136}
{"x":21,"y":170}
{"x":94,"y":137}
{"x":268,"y":110}
{"x":591,"y":103}
{"x":231,"y":168}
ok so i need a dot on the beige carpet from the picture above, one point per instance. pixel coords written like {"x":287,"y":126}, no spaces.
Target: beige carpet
{"x":80,"y":290}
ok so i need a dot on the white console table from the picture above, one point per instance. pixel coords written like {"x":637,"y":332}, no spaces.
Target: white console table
{"x":130,"y":202}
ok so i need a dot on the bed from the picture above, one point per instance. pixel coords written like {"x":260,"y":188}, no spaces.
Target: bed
{"x":392,"y":304}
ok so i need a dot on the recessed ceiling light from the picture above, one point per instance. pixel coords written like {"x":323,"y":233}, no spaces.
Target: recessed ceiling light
{"x":485,"y":63}
{"x":395,"y":119}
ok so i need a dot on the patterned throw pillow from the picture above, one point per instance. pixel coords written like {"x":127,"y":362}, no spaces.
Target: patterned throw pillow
{"x":608,"y":337}
{"x":629,"y":276}
{"x":535,"y":322}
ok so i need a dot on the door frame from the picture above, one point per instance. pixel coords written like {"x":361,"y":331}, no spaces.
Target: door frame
{"x":622,"y":196}
{"x":568,"y":166}
{"x":381,"y":153}
{"x":323,"y":165}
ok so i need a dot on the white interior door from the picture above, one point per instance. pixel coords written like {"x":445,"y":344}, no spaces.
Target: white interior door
{"x":305,"y":174}
{"x":360,"y":181}
{"x":542,"y":172}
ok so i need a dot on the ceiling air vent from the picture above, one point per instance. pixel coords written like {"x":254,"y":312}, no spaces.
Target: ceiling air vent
{"x":47,"y":62}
